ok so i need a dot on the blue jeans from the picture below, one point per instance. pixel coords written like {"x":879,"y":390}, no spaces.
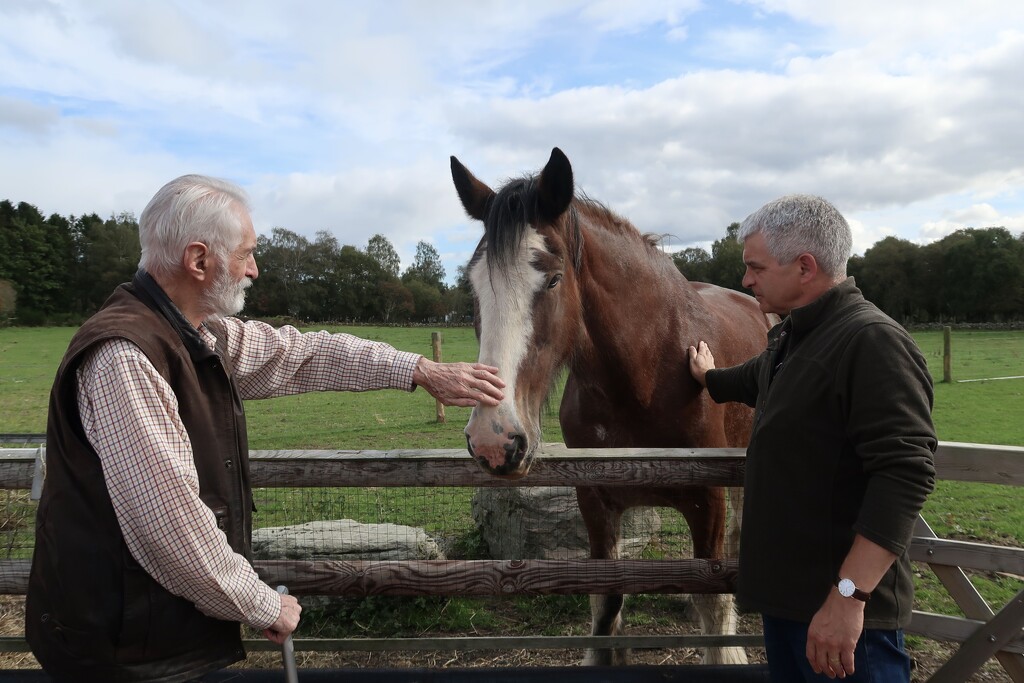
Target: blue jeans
{"x":878,"y":658}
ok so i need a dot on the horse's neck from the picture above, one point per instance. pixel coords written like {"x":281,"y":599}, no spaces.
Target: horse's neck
{"x":635,"y":308}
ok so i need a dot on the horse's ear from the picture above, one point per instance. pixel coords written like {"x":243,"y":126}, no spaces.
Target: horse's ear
{"x":475,"y":195}
{"x":556,"y":186}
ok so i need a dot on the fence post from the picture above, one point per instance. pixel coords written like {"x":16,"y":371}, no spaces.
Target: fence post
{"x":435,"y":343}
{"x":947,"y":355}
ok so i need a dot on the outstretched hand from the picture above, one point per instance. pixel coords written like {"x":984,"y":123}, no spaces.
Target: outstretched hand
{"x":460,"y":384}
{"x":701,"y":361}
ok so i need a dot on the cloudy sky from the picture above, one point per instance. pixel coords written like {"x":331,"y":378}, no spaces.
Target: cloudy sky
{"x":681,"y":115}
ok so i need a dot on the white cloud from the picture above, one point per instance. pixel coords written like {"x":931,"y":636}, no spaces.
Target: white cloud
{"x":342,"y":116}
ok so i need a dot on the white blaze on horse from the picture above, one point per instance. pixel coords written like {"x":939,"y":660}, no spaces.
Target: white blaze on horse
{"x":562,"y":282}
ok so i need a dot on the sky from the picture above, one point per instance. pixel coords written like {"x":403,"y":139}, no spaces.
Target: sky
{"x":681,"y":115}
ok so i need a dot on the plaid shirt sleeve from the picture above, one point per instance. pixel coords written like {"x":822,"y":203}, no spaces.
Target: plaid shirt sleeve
{"x":130,"y":416}
{"x":272,"y":361}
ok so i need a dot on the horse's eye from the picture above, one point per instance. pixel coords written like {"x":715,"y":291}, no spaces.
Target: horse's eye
{"x":554,"y":281}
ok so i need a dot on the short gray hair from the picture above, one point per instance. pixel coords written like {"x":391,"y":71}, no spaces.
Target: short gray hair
{"x":799,"y":223}
{"x":192,"y":208}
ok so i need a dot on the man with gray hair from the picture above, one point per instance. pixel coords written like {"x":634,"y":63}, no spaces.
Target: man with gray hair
{"x":142,"y":565}
{"x":840,"y":458}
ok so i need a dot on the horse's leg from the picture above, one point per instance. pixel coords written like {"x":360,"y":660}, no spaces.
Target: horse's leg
{"x":603,"y":529}
{"x":705,"y":511}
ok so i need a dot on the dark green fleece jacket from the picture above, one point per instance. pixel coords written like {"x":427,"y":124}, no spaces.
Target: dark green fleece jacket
{"x":842,"y":444}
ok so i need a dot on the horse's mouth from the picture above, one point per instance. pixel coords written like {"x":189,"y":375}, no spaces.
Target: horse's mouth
{"x":514,"y":465}
{"x":507,"y":476}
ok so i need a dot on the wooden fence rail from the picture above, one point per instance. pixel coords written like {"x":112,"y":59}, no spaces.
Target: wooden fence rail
{"x":983,"y":632}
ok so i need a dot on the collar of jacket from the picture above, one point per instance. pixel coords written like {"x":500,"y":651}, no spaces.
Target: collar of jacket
{"x":153,"y":295}
{"x":806,"y":318}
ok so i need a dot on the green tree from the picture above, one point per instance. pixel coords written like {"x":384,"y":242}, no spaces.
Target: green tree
{"x":459,"y":299}
{"x":361,"y":277}
{"x":8,"y":302}
{"x":34,"y":260}
{"x":694,"y":263}
{"x":110,"y":253}
{"x":982,"y":274}
{"x":396,"y":301}
{"x":726,"y":267}
{"x":280,"y":288}
{"x":888,"y":276}
{"x":428,"y":301}
{"x":426,"y":267}
{"x":380,"y":249}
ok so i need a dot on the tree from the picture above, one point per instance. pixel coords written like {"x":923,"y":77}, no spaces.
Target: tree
{"x":726,"y":268}
{"x":360,"y":278}
{"x":694,"y":263}
{"x":428,"y":301}
{"x":426,"y":267}
{"x":888,"y":274}
{"x":381,"y":250}
{"x":8,"y":302}
{"x":982,"y":274}
{"x":110,"y":253}
{"x":280,"y":288}
{"x":396,"y":301}
{"x":32,"y":257}
{"x":460,"y":297}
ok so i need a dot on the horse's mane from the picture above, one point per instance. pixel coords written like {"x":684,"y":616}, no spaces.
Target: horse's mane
{"x":509,"y":215}
{"x":515,"y":207}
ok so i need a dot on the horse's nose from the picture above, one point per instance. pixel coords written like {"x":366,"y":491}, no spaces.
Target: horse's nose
{"x":515,"y":451}
{"x":506,"y":460}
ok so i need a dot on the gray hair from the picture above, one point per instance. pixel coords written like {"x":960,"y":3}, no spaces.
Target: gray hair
{"x":192,"y":208}
{"x":801,"y":223}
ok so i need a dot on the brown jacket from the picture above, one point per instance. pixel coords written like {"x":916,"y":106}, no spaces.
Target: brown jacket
{"x":92,"y":613}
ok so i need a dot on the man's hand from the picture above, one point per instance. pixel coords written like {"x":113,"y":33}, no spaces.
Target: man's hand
{"x":833,"y":635}
{"x":701,"y":361}
{"x":460,"y":384}
{"x":286,"y":622}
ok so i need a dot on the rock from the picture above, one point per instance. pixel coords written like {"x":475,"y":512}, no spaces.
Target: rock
{"x":544,"y":522}
{"x":344,"y":539}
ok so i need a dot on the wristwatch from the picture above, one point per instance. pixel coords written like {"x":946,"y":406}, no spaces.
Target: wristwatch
{"x":848,"y":589}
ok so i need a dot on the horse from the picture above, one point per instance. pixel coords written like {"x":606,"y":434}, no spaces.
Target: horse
{"x":561,"y":282}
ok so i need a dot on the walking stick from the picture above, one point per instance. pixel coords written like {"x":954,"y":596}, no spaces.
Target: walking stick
{"x":291,"y":674}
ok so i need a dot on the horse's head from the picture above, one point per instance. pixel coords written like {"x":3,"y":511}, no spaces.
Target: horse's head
{"x":527,"y":303}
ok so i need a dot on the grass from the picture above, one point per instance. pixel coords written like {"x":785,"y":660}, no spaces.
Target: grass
{"x":979,"y":412}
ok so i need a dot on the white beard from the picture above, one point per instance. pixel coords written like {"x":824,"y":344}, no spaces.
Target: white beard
{"x":225,"y":297}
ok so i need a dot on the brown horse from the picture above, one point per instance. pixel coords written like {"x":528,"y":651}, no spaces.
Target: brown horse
{"x":561,"y":281}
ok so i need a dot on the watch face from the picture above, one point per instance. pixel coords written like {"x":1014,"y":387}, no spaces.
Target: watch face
{"x":846,"y":588}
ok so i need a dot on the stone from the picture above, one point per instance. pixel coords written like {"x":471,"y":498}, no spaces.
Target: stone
{"x":544,"y":522}
{"x":344,"y":539}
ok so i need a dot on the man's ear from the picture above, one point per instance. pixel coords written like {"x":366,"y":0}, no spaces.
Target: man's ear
{"x":808,"y":267}
{"x":196,"y":260}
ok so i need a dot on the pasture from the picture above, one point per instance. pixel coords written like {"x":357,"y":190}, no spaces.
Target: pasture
{"x":980,"y":412}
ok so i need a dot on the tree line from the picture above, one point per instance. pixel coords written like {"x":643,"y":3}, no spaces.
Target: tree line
{"x":60,"y":270}
{"x":971,"y":275}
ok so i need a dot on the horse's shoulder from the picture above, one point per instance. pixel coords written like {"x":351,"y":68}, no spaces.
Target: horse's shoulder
{"x":715,"y":295}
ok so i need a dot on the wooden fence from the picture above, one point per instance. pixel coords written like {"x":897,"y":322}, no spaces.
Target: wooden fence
{"x":982,"y":633}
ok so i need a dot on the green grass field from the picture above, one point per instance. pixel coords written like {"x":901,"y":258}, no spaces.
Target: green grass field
{"x":979,"y":412}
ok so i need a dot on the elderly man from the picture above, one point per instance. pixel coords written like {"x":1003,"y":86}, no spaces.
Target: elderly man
{"x":840,"y":457}
{"x":142,"y":564}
